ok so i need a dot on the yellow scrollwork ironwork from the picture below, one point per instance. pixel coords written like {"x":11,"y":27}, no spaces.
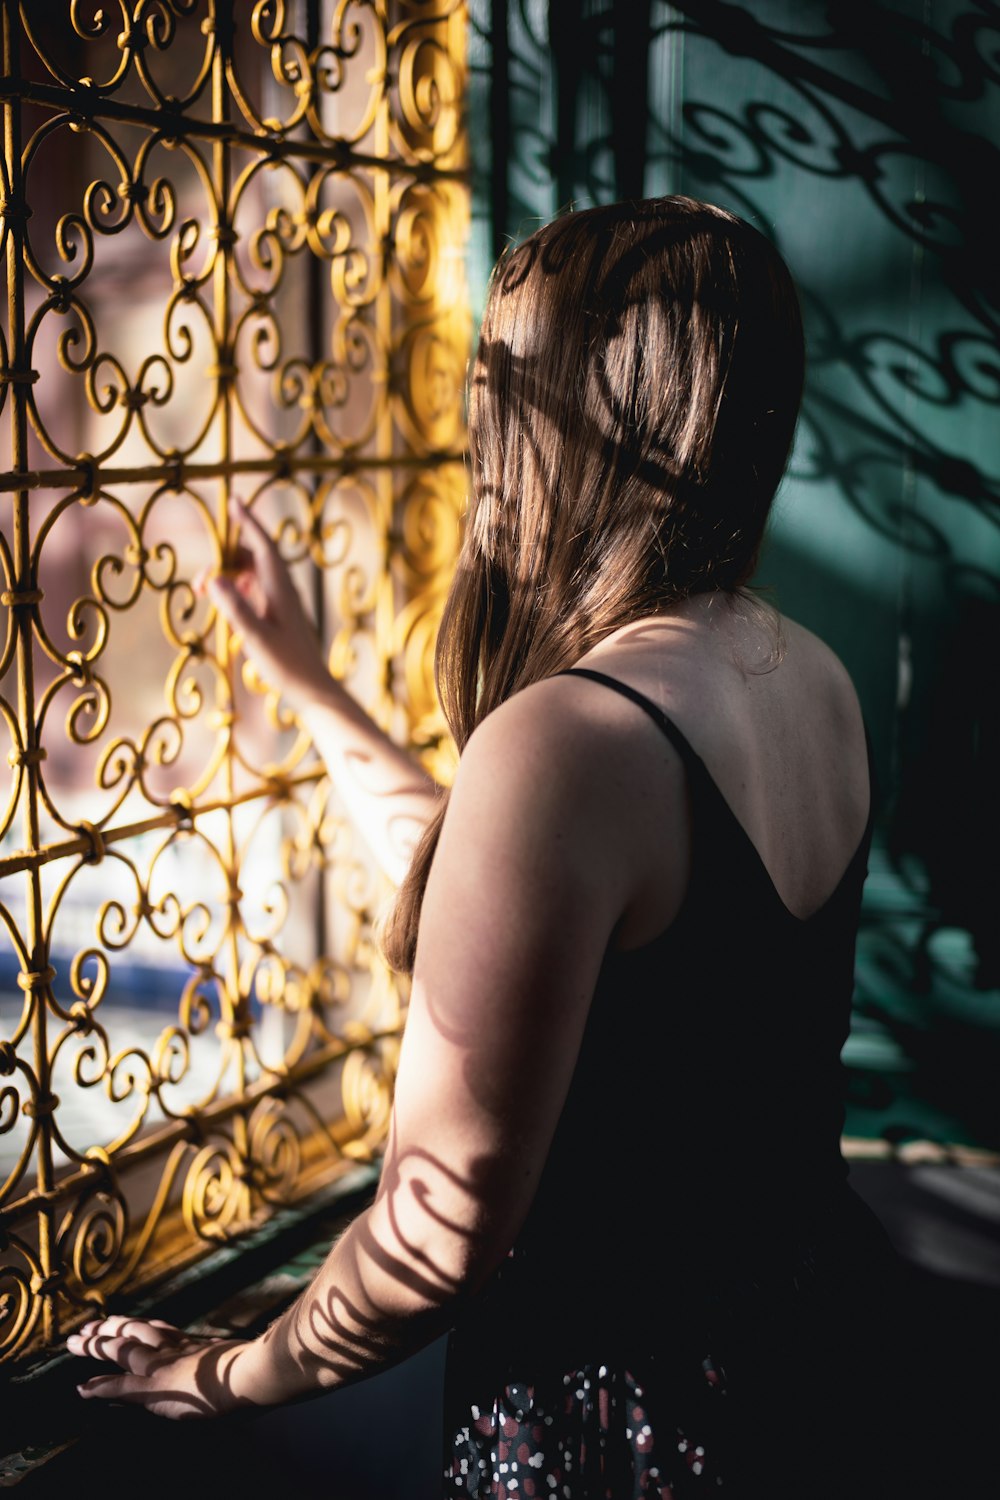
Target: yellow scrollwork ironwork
{"x":232,"y":237}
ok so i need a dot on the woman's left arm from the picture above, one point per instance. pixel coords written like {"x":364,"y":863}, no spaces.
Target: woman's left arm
{"x":531,"y":874}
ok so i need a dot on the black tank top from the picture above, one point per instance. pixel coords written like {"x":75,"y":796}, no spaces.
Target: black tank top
{"x":698,"y":1150}
{"x":693,"y":1218}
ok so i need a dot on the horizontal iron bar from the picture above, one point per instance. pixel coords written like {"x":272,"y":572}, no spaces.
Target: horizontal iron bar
{"x":171,"y":817}
{"x":174,"y":125}
{"x":195,"y":1127}
{"x":283,"y":466}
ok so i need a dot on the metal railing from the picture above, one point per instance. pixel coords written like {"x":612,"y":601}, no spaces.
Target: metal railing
{"x":233,"y":239}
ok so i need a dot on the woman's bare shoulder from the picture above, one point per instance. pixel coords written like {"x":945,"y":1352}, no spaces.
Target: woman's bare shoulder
{"x":569,"y":751}
{"x":567,"y":784}
{"x":803,"y":639}
{"x":812,"y":657}
{"x":566,"y":712}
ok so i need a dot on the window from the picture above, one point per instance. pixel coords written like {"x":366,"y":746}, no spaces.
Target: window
{"x":233,"y":241}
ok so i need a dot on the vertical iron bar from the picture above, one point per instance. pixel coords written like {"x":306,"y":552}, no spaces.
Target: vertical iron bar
{"x":24,"y":583}
{"x":381,"y":213}
{"x":315,"y":308}
{"x":225,"y":355}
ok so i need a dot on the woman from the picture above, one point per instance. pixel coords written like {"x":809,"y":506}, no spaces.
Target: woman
{"x":613,"y":1168}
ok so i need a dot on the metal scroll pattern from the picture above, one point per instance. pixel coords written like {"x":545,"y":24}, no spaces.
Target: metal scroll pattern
{"x":292,"y":325}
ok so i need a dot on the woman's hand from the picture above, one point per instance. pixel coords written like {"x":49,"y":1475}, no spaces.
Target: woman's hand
{"x":387,"y":793}
{"x":260,"y":601}
{"x":169,"y":1372}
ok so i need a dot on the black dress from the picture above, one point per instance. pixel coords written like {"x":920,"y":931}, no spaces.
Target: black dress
{"x":695,"y":1303}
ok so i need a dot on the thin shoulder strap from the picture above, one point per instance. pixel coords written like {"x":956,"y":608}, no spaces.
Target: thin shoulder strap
{"x":688,"y":755}
{"x":692,"y":760}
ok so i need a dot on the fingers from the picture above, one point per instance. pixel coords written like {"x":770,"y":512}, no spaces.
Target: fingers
{"x":162,"y":1368}
{"x":130,"y":1354}
{"x":258,"y":543}
{"x":258,"y":600}
{"x":176,"y":1404}
{"x":111,"y":1386}
{"x":133,"y":1343}
{"x":149,"y":1330}
{"x":254,"y":554}
{"x":233,"y":604}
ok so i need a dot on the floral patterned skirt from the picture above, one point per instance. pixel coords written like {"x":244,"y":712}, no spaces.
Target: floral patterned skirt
{"x":595,"y":1433}
{"x":773,"y":1385}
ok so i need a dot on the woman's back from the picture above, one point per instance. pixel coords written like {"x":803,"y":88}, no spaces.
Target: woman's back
{"x":692,"y":1213}
{"x":705,"y":776}
{"x":774,"y":717}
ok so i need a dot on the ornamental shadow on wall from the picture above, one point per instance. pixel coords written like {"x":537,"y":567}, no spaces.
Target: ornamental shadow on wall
{"x":232,"y":238}
{"x":862,"y":137}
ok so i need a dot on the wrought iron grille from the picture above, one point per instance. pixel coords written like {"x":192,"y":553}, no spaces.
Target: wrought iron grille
{"x":232,"y":236}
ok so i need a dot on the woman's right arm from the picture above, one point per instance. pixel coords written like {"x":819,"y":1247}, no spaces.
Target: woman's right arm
{"x":389,"y":797}
{"x":535,"y":866}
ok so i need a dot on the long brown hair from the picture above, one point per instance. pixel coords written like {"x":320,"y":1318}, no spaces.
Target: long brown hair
{"x":631,"y":408}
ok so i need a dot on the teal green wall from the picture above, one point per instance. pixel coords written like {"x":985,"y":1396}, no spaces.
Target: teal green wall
{"x":861,"y":137}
